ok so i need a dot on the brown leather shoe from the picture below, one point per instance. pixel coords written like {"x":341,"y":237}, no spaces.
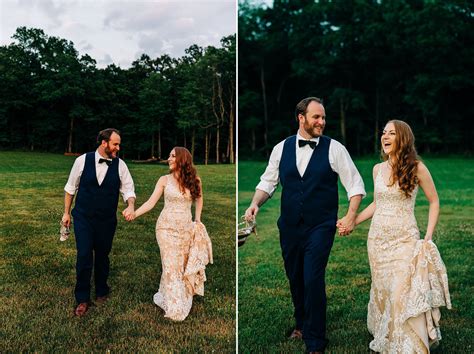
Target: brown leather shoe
{"x":81,"y":309}
{"x":102,"y":299}
{"x":296,"y":334}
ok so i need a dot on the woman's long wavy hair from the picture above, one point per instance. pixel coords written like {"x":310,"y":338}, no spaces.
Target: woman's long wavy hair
{"x":187,"y":175}
{"x":405,"y":159}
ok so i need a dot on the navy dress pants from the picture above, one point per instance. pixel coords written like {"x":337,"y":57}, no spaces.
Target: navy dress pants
{"x":93,"y":242}
{"x":305,"y":252}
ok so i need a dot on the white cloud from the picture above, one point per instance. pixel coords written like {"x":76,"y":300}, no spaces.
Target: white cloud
{"x":120,"y":31}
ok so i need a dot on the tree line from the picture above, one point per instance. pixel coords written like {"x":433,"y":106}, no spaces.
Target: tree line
{"x":369,"y":60}
{"x":53,"y":99}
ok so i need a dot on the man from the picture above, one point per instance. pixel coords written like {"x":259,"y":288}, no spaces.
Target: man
{"x":98,"y":177}
{"x":307,"y":165}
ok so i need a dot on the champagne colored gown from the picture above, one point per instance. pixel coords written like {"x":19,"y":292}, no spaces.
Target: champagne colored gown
{"x":185,"y":250}
{"x":409,"y":279}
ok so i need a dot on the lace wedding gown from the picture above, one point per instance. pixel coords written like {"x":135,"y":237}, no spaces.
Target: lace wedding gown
{"x":185,"y":250}
{"x":409,"y":280}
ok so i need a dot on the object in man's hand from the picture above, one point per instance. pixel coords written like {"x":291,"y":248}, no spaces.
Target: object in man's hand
{"x":245,"y":229}
{"x":64,"y":232}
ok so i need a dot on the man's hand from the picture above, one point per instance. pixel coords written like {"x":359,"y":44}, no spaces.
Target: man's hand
{"x":345,"y":225}
{"x":129,"y":213}
{"x":66,"y":219}
{"x":251,"y":212}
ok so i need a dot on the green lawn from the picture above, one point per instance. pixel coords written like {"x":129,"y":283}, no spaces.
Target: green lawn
{"x":265,"y":308}
{"x":38,"y":275}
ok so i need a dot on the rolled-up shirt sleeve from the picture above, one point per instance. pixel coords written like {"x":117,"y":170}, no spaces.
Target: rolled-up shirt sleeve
{"x":75,"y":175}
{"x":127,"y":188}
{"x":343,"y":165}
{"x":271,"y":177}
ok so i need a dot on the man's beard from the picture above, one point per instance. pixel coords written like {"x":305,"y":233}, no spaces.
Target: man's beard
{"x":108,"y":152}
{"x":310,"y":129}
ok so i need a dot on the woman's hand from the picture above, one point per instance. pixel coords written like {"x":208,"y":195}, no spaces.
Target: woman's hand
{"x":428,"y":237}
{"x":130,"y":216}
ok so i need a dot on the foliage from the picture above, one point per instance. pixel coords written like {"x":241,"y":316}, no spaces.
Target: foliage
{"x":370,"y":61}
{"x":52,"y":99}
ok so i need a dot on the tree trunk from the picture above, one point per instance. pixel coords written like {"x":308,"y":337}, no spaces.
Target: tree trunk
{"x":425,"y":123}
{"x":217,"y":144}
{"x":231,"y":126}
{"x":279,"y":95}
{"x":265,"y":111}
{"x":152,"y":145}
{"x":253,"y":139}
{"x":343,"y":120}
{"x":184,"y":137}
{"x":206,"y":149}
{"x":159,"y":144}
{"x":71,"y":127}
{"x":193,"y":142}
{"x":220,"y":114}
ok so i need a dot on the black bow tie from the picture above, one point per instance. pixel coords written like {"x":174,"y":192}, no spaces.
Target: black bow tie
{"x":312,"y":144}
{"x":108,"y":162}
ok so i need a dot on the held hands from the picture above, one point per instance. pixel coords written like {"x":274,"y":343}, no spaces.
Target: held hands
{"x":345,"y":225}
{"x":129,"y":213}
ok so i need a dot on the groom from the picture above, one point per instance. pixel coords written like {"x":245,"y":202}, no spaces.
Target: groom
{"x":308,"y":165}
{"x":98,"y":177}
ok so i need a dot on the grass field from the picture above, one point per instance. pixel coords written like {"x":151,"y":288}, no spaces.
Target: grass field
{"x":38,"y":275}
{"x":264,"y":304}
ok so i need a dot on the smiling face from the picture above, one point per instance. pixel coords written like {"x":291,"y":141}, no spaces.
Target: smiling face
{"x":111,"y":147}
{"x":172,"y":160}
{"x":388,"y":138}
{"x":313,"y":122}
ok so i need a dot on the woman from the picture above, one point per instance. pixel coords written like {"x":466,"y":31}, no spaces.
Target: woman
{"x":409,"y":280}
{"x":185,"y":247}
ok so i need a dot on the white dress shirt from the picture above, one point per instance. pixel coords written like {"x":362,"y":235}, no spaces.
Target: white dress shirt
{"x":339,"y":160}
{"x":127,"y":188}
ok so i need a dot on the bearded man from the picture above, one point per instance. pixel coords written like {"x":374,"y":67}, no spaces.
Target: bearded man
{"x":308,"y":165}
{"x":97,"y":178}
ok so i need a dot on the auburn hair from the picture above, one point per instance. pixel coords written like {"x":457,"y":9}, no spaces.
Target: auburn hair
{"x":404,"y":159}
{"x":187,"y":175}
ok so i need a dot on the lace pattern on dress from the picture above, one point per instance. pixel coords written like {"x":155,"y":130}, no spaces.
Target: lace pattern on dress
{"x":185,"y":250}
{"x":409,"y":279}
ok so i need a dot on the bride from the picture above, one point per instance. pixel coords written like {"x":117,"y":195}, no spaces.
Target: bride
{"x":185,"y":247}
{"x":409,"y":280}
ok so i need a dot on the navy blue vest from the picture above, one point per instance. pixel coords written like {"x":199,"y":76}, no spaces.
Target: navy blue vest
{"x":93,"y":200}
{"x":312,"y":198}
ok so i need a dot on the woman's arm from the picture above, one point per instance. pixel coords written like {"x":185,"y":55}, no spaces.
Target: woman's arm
{"x":151,"y":202}
{"x":365,"y":214}
{"x":199,"y":204}
{"x":426,"y":183}
{"x":369,"y":211}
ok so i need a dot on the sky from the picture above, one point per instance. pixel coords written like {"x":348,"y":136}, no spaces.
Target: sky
{"x":118,"y":32}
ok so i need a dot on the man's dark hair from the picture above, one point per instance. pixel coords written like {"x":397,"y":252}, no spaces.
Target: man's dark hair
{"x":302,"y":105}
{"x":105,"y":134}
